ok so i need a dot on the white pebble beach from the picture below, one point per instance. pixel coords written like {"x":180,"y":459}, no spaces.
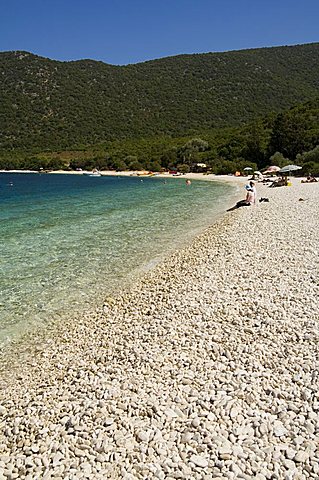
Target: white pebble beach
{"x":206,"y":368}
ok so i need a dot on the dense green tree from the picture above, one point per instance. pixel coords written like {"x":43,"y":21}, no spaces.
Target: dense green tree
{"x":195,"y":145}
{"x":118,"y":165}
{"x":169,"y":158}
{"x":288,"y":135}
{"x":310,"y":168}
{"x":223,"y":167}
{"x":183,"y":168}
{"x":255,"y":145}
{"x":154,"y":166}
{"x":311,"y":155}
{"x":135,"y":165}
{"x":231,"y":149}
{"x":188,"y":153}
{"x":278,"y":159}
{"x":67,"y":105}
{"x":309,"y":161}
{"x":54,"y":164}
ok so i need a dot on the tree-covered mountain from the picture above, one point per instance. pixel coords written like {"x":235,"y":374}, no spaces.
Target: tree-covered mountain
{"x":46,"y":104}
{"x":290,"y":136}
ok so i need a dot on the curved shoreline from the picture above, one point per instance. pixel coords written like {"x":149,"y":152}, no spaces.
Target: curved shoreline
{"x":11,"y":337}
{"x":26,"y":345}
{"x":206,"y":366}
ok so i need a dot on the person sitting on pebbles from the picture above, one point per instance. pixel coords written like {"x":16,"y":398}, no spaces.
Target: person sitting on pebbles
{"x":253,"y":187}
{"x":309,"y":179}
{"x":281,"y":182}
{"x":249,"y":200}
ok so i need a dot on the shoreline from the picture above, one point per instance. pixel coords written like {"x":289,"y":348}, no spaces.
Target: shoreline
{"x":186,"y":176}
{"x":130,"y":173}
{"x":211,"y":216}
{"x":206,"y":361}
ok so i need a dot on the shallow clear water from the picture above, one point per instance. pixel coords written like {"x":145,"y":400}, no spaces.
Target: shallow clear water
{"x":68,"y":241}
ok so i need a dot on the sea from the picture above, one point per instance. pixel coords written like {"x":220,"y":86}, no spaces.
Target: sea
{"x":67,"y":242}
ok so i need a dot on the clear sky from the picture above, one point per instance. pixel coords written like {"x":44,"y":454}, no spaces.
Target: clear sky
{"x":130,"y":31}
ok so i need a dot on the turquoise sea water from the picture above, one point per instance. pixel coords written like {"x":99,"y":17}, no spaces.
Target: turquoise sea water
{"x":69,"y":241}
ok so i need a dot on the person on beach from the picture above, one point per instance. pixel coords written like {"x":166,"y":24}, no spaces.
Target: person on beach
{"x":249,"y":200}
{"x":309,"y":179}
{"x":253,"y":187}
{"x":281,"y":182}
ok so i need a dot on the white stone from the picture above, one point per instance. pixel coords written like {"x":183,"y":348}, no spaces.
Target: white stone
{"x":301,"y":456}
{"x":199,"y":461}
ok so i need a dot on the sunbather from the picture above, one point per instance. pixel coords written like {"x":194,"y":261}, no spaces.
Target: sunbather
{"x":249,"y":200}
{"x":309,"y":179}
{"x":281,"y":182}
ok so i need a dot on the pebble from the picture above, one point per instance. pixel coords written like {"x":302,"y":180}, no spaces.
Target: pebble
{"x":199,"y":461}
{"x":301,"y":457}
{"x":205,"y":368}
{"x":279,"y":429}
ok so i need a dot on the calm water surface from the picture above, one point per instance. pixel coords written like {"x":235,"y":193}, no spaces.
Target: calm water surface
{"x":68,"y":241}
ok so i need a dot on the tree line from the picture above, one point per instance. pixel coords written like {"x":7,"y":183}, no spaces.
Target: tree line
{"x":276,"y":139}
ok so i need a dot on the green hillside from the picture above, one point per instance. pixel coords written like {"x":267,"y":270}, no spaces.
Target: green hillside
{"x":47,"y":104}
{"x":291,"y":136}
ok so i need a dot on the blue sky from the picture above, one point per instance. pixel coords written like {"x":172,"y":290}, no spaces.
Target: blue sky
{"x":123,"y":31}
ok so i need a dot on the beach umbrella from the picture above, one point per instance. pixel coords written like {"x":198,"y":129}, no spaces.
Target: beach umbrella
{"x":272,"y":169}
{"x":247,"y":168}
{"x":289,"y":168}
{"x":257,"y":172}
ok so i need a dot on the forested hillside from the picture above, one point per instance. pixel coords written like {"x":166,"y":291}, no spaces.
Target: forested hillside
{"x":46,"y":104}
{"x":276,"y":139}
